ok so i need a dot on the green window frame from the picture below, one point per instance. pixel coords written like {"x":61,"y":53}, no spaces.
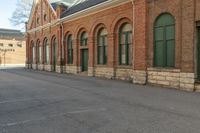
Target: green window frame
{"x":102,"y":47}
{"x":125,"y":45}
{"x":84,"y":39}
{"x":164,"y":41}
{"x":69,"y":50}
{"x":46,"y":45}
{"x":33,"y":53}
{"x":38,"y":52}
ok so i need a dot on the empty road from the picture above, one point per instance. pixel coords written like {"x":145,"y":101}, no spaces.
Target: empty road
{"x":43,"y":102}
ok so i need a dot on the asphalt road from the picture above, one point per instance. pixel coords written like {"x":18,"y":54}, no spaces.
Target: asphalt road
{"x":42,"y":102}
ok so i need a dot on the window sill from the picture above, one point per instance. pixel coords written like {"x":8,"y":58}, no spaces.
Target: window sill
{"x":125,"y":66}
{"x":163,"y":69}
{"x":102,"y":65}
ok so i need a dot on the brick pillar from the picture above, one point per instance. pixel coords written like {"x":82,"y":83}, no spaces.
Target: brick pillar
{"x":59,"y":45}
{"x":188,"y":30}
{"x":110,"y":50}
{"x":187,"y":76}
{"x":140,"y":41}
{"x":140,"y":34}
{"x":91,"y":54}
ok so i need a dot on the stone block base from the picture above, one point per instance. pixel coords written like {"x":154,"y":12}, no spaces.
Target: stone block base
{"x":104,"y":72}
{"x":71,"y":69}
{"x":59,"y":69}
{"x":40,"y":67}
{"x":124,"y":74}
{"x":28,"y":66}
{"x":34,"y":66}
{"x":48,"y":68}
{"x":139,"y":77}
{"x":91,"y":71}
{"x":171,"y":78}
{"x":187,"y":81}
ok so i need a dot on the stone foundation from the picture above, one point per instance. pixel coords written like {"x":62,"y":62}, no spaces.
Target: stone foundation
{"x":91,"y":71}
{"x":40,"y":67}
{"x":124,"y":74}
{"x":48,"y":68}
{"x":104,"y":72}
{"x":187,"y":81}
{"x":59,"y":69}
{"x":34,"y":66}
{"x":71,"y":69}
{"x":139,"y":77}
{"x":171,"y":78}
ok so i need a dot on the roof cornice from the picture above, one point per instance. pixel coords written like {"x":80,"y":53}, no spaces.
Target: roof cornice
{"x":86,"y":12}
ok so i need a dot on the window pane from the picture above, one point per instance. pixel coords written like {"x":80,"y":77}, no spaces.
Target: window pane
{"x":33,"y":54}
{"x":170,"y":32}
{"x":170,"y":53}
{"x":100,"y":41}
{"x":159,"y":54}
{"x":130,"y":38}
{"x":100,"y":55}
{"x":105,"y":41}
{"x":40,"y":54}
{"x":123,"y":54}
{"x":123,"y":38}
{"x":105,"y":54}
{"x":159,"y":33}
{"x":130,"y":54}
{"x":47,"y":53}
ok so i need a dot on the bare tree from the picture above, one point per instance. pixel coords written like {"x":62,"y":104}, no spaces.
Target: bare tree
{"x":21,"y":13}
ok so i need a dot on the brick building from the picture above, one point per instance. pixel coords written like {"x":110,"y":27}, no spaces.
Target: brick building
{"x":143,"y":41}
{"x":12,"y":48}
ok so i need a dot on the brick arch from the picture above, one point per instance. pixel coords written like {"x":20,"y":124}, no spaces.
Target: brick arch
{"x":95,"y":25}
{"x":121,"y":18}
{"x":116,"y":27}
{"x":97,"y":28}
{"x":80,"y":31}
{"x":162,"y":13}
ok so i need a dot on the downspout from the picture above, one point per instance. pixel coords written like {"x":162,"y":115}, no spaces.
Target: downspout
{"x":62,"y":44}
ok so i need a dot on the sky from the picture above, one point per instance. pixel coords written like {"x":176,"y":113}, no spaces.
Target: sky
{"x":7,"y":7}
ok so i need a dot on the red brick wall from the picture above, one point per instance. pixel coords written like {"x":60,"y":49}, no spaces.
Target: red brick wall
{"x":110,"y":18}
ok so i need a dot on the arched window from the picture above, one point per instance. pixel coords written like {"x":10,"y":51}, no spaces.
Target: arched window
{"x":84,"y":39}
{"x":102,"y":46}
{"x":46,"y":46}
{"x":69,"y":50}
{"x":164,"y":41}
{"x":39,"y":52}
{"x":125,"y":45}
{"x":33,"y":53}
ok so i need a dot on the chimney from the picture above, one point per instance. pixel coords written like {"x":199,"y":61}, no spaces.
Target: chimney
{"x":60,"y":9}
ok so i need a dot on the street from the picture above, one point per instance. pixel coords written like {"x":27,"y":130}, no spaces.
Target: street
{"x":43,"y":102}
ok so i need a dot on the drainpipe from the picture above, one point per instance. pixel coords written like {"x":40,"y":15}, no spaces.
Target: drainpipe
{"x":62,"y":43}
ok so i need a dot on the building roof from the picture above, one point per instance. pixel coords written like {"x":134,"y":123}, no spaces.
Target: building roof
{"x":81,"y":5}
{"x":10,"y":33}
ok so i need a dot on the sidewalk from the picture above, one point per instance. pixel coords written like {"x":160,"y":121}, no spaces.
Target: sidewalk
{"x":11,"y":66}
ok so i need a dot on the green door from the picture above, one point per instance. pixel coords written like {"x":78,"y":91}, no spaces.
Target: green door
{"x":84,"y":60}
{"x":198,"y":67}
